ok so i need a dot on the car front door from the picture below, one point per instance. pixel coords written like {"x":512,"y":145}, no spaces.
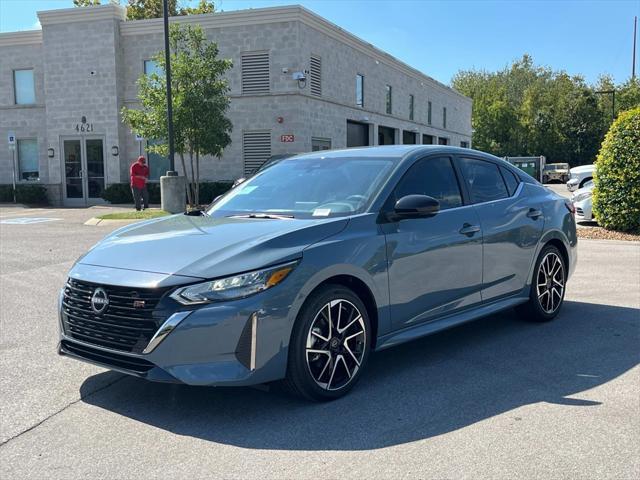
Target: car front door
{"x":511,"y":221}
{"x":435,"y":263}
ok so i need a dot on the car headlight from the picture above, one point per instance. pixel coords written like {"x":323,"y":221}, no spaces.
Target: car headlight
{"x":236,"y":286}
{"x":581,"y":196}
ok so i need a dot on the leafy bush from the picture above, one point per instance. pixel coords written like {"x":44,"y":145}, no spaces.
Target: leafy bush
{"x":118,"y":193}
{"x":616,"y":198}
{"x":121,"y":192}
{"x":6,"y":193}
{"x":31,"y":194}
{"x":210,"y":190}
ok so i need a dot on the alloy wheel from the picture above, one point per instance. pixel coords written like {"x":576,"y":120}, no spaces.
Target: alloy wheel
{"x":550,"y":282}
{"x":336,"y":344}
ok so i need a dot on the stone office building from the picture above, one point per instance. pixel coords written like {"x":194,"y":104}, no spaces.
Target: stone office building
{"x":299,"y":83}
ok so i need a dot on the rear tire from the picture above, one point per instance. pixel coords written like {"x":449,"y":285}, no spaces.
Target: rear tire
{"x":548,"y":287}
{"x":330,"y":345}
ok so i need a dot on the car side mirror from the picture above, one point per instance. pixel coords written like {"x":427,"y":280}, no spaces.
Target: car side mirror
{"x":415,"y":206}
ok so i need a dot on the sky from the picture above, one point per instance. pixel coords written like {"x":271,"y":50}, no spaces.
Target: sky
{"x":587,"y":38}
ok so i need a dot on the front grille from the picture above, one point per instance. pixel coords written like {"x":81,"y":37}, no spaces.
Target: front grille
{"x":127,"y":323}
{"x":136,"y":365}
{"x":579,"y":211}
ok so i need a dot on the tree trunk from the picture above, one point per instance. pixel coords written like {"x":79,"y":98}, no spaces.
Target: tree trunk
{"x":184,"y":170}
{"x":197,"y":178}
{"x":191,"y":184}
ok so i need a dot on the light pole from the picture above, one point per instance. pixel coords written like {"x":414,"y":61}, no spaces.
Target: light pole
{"x":167,"y":59}
{"x":172,"y":187}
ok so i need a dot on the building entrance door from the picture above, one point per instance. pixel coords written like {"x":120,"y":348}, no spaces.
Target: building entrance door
{"x":83,"y":166}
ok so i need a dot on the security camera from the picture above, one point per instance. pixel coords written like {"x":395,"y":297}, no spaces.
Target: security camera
{"x":285,"y":70}
{"x":92,"y":72}
{"x":298,"y":76}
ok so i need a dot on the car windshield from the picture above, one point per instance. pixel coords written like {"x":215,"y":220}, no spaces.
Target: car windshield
{"x":307,"y":187}
{"x":588,"y":184}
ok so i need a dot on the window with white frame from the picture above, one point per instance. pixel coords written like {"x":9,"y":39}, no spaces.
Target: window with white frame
{"x":360,"y":90}
{"x":411,"y":101}
{"x":24,"y":87}
{"x":389,"y":99}
{"x":28,"y":159}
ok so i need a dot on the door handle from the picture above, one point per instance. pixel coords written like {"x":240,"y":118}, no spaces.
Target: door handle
{"x":469,"y":230}
{"x":534,"y":214}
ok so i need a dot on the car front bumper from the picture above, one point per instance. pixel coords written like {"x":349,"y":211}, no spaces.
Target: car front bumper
{"x":240,"y":342}
{"x":573,"y":185}
{"x":584,"y":211}
{"x":561,"y":177}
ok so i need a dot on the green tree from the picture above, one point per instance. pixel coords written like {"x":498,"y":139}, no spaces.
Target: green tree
{"x":616,"y":197}
{"x":526,"y":110}
{"x":85,"y":3}
{"x":200,"y":103}
{"x":141,"y":9}
{"x":627,"y":96}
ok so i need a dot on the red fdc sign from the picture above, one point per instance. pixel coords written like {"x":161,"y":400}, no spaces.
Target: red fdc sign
{"x":287,"y":138}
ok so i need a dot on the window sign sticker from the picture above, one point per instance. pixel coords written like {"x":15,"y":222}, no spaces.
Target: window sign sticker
{"x":321,"y":212}
{"x":247,"y":189}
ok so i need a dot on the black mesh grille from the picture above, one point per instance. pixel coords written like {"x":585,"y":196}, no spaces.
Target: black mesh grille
{"x":137,"y":365}
{"x":127,"y":323}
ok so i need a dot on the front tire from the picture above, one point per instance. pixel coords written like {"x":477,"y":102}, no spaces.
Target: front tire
{"x":330,"y":345}
{"x":547,"y":287}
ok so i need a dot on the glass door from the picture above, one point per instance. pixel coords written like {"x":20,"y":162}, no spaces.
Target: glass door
{"x":84,"y":171}
{"x":74,"y":184}
{"x":94,"y":169}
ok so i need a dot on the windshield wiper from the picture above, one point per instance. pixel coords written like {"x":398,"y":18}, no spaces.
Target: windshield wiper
{"x":271,"y":216}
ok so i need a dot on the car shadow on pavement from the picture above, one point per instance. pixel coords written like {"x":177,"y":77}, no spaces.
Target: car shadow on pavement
{"x":415,"y":391}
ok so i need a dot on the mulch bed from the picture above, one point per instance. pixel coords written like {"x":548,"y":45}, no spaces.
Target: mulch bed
{"x":599,"y":233}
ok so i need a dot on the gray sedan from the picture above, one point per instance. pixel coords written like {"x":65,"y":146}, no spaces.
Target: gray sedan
{"x":301,"y":272}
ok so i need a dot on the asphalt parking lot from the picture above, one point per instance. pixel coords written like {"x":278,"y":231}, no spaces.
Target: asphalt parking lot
{"x":498,"y":398}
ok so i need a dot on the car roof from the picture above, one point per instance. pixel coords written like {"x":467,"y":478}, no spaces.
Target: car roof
{"x":393,"y":152}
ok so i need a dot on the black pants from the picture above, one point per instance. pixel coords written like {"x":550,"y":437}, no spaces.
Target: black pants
{"x":140,"y":197}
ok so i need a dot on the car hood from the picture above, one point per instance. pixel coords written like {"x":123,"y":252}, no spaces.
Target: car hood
{"x":583,"y":169}
{"x":582,"y":190}
{"x":206,"y":247}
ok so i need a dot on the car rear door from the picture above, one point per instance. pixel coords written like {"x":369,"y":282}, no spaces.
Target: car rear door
{"x":434,"y":264}
{"x":511,"y":221}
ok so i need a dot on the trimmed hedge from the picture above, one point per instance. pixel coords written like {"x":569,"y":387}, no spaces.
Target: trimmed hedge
{"x":27,"y":194}
{"x":121,"y":192}
{"x":616,"y":196}
{"x":6,"y":193}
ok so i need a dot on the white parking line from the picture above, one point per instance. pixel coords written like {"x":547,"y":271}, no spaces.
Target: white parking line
{"x":27,"y":220}
{"x":22,"y":212}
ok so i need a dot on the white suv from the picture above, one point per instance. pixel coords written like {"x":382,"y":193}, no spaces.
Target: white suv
{"x":579,"y":176}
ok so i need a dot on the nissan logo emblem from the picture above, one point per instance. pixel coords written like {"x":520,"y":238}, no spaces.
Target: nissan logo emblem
{"x":99,"y":300}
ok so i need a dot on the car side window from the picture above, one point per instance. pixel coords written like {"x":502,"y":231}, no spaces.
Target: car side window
{"x":510,"y":179}
{"x":483,"y":180}
{"x":434,"y":177}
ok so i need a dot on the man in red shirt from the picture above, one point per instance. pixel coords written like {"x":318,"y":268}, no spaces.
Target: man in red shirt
{"x":139,"y":175}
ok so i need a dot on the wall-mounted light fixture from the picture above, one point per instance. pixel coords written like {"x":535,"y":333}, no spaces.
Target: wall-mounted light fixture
{"x":115,"y":151}
{"x":51,"y":152}
{"x":364,"y":119}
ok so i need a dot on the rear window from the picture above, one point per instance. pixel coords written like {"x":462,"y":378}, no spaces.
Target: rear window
{"x":510,"y":179}
{"x":483,"y":180}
